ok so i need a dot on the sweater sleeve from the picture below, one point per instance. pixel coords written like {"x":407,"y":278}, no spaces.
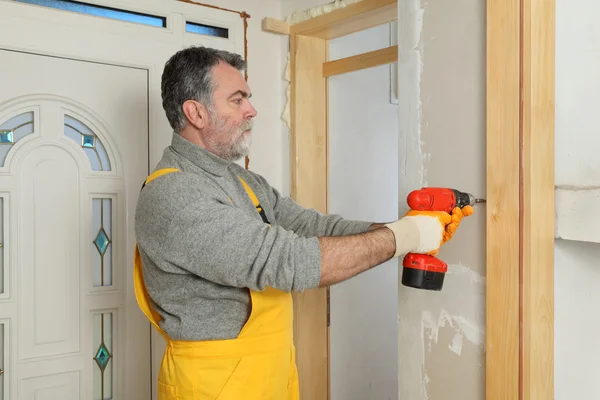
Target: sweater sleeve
{"x":225,"y":245}
{"x":308,"y":222}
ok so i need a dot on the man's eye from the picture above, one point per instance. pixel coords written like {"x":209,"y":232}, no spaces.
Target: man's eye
{"x":238,"y":101}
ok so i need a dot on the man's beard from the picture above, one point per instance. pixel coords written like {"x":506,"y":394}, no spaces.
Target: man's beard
{"x":227,"y":140}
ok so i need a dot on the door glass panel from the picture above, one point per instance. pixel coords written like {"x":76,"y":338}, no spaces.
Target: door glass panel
{"x":102,"y":242}
{"x":89,"y":142}
{"x":2,"y":359}
{"x":13,"y":130}
{"x":2,"y":269}
{"x":103,"y":346}
{"x":202,"y":29}
{"x":100,"y":11}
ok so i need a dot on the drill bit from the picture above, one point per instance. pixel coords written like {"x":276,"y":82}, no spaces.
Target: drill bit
{"x":480,"y":201}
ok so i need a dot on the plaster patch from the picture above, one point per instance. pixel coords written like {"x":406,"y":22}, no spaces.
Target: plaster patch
{"x":303,"y":15}
{"x":410,"y":68}
{"x":460,"y":305}
{"x":457,"y":342}
{"x":577,"y":210}
{"x":411,"y":302}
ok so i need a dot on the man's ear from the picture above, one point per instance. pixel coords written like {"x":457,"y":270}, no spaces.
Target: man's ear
{"x":196,"y":113}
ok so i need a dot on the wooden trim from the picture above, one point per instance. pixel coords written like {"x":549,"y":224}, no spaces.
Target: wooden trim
{"x":502,"y":220}
{"x":520,"y":192}
{"x":361,"y":61}
{"x":275,"y":26}
{"x":352,"y":18}
{"x":309,"y":182}
{"x":537,"y":193}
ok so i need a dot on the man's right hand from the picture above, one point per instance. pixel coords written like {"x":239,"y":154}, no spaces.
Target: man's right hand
{"x":426,"y":231}
{"x":343,"y":257}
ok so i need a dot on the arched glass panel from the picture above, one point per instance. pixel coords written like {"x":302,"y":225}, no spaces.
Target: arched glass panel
{"x":14,"y":130}
{"x":89,"y":142}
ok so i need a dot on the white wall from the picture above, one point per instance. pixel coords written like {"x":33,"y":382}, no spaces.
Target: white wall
{"x":363,"y":152}
{"x":577,"y":264}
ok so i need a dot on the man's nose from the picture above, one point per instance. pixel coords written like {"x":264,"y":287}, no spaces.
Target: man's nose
{"x":251,"y":111}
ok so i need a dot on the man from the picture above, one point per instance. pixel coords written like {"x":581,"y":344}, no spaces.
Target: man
{"x":220,"y":250}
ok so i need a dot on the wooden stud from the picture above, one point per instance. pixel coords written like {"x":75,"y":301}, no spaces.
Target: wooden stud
{"x":502,"y":242}
{"x":387,"y":55}
{"x":352,"y":18}
{"x":537,"y":235}
{"x":520,"y":180}
{"x":308,"y":144}
{"x":275,"y":26}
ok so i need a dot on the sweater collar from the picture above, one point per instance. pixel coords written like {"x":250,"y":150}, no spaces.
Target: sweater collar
{"x":199,"y":156}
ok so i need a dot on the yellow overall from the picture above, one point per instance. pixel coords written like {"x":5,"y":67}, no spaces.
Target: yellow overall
{"x":257,"y":365}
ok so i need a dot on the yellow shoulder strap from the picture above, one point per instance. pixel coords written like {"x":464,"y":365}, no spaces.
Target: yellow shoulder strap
{"x":250,"y":193}
{"x":141,"y":294}
{"x":255,"y":201}
{"x":159,"y":173}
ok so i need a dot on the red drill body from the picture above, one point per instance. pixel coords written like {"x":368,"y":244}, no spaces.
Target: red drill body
{"x":424,"y":271}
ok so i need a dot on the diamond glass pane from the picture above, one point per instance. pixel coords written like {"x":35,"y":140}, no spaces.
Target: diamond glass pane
{"x":102,"y":242}
{"x":7,"y":136}
{"x":103,"y":356}
{"x":89,"y":142}
{"x":12,"y":130}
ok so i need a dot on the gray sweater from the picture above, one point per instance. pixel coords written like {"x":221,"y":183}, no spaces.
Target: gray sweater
{"x":203,"y":243}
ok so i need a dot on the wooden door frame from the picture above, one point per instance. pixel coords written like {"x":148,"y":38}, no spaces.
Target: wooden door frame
{"x":520,"y":183}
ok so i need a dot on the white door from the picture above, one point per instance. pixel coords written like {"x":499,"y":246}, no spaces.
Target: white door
{"x":73,"y":156}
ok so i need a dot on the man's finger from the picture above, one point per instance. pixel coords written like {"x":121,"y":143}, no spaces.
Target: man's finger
{"x":467,"y":210}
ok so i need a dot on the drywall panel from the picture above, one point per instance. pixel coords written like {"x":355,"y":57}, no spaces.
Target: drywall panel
{"x":364,"y":185}
{"x":577,"y":93}
{"x":442,"y":143}
{"x":577,"y":320}
{"x":577,"y":168}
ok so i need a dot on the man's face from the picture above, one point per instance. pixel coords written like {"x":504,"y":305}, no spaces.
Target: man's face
{"x":228,"y":132}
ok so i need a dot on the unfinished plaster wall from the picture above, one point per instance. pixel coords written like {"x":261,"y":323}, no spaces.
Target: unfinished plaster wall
{"x":577,"y":174}
{"x":442,"y":143}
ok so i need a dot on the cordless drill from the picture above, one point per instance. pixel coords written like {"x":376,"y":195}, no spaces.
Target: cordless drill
{"x":423,"y":271}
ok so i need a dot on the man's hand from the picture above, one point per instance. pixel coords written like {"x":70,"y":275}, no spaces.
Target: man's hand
{"x":431,"y":228}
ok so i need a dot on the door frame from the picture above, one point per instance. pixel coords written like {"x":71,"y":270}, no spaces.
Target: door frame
{"x":49,"y":32}
{"x":520,"y":183}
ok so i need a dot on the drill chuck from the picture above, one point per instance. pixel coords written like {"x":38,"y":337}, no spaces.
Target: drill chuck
{"x":463,"y":199}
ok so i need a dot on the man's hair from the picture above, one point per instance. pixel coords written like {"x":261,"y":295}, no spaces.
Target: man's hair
{"x":188,"y":76}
